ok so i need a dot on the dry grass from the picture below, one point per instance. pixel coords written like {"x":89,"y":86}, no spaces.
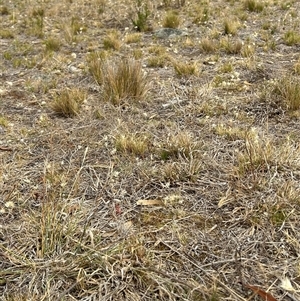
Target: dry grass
{"x":164,"y":185}
{"x":68,"y":102}
{"x":124,"y":81}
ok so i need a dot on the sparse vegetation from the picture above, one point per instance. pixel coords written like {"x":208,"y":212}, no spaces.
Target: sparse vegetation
{"x":140,"y":162}
{"x":68,"y":102}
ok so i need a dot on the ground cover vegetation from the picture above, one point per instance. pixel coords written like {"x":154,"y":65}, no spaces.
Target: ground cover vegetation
{"x":141,"y":164}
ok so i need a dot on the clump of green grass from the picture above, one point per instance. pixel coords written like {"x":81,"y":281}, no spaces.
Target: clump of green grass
{"x":112,"y":40}
{"x":68,"y":103}
{"x":254,"y":6}
{"x":37,"y":21}
{"x":52,"y":44}
{"x":140,"y":22}
{"x":183,"y":69}
{"x":291,"y":38}
{"x":3,"y":121}
{"x":288,"y":88}
{"x":124,"y":81}
{"x":6,"y":34}
{"x":171,"y":20}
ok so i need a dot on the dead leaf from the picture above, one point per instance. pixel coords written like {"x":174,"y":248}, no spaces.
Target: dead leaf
{"x":264,"y":295}
{"x":149,"y":202}
{"x":286,"y":285}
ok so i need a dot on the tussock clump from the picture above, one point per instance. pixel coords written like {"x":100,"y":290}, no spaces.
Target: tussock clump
{"x":68,"y":102}
{"x":124,"y":81}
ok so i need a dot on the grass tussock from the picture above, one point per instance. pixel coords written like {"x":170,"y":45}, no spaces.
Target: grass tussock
{"x":183,"y":69}
{"x":124,"y":81}
{"x":68,"y":103}
{"x":171,"y":20}
{"x":288,"y":89}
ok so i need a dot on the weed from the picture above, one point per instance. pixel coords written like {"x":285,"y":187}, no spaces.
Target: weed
{"x":201,"y":15}
{"x":171,"y":20}
{"x":124,"y":81}
{"x":226,"y":68}
{"x":68,"y":102}
{"x":141,"y":21}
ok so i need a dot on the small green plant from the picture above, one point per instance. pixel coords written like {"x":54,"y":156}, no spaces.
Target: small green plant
{"x":112,"y":40}
{"x":171,"y":20}
{"x":141,"y":21}
{"x":38,"y":16}
{"x":68,"y":102}
{"x":291,"y":38}
{"x":6,"y":34}
{"x":124,"y":81}
{"x":3,"y":121}
{"x":52,"y":44}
